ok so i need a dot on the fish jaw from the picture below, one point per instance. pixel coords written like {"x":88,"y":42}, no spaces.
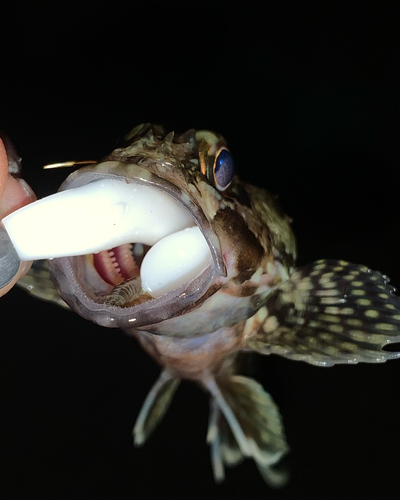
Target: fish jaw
{"x":73,"y":276}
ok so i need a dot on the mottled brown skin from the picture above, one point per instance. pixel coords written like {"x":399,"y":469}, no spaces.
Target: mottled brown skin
{"x":254,"y":237}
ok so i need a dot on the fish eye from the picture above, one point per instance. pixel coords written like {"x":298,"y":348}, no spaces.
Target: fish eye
{"x":223,"y":170}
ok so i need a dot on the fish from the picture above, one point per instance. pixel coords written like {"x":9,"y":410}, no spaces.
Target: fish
{"x":249,"y":297}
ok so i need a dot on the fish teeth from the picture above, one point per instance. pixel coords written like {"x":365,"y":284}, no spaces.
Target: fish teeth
{"x":107,"y":269}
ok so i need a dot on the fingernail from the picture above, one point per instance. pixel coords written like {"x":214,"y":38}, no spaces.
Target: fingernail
{"x":9,"y":260}
{"x":14,"y":160}
{"x":26,"y":187}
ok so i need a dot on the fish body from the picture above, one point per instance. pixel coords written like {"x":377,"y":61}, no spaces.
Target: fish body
{"x":250,"y":298}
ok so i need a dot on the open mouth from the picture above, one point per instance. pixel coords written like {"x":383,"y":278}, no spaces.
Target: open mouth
{"x":133,"y":273}
{"x":162,"y":257}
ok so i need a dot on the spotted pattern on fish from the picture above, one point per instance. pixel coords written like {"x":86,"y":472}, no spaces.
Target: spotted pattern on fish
{"x":331,"y":312}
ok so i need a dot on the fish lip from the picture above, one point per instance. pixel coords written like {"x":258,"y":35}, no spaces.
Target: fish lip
{"x":155,"y":310}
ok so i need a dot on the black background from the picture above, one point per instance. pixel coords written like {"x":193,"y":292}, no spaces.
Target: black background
{"x":307,"y":95}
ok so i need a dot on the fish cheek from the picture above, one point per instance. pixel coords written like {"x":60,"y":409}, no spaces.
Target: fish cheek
{"x":234,"y":235}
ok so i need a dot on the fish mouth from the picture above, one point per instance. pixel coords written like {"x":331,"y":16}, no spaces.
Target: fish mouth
{"x":166,"y":267}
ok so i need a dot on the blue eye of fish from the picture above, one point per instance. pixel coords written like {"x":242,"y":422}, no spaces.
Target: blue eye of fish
{"x":224,"y":169}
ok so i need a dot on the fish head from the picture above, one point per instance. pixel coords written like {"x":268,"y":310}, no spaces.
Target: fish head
{"x":250,"y":243}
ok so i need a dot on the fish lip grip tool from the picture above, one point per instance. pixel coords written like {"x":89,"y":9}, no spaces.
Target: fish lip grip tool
{"x":94,"y":217}
{"x":104,"y":214}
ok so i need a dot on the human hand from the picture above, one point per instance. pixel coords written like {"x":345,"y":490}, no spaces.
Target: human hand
{"x":14,"y":194}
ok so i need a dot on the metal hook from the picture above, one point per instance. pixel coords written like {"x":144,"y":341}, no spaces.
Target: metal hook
{"x":69,"y":164}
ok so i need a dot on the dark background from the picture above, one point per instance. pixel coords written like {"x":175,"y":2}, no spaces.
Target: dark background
{"x":307,"y":95}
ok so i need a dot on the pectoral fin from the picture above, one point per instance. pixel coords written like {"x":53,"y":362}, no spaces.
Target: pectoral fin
{"x":329,"y":312}
{"x":37,"y":282}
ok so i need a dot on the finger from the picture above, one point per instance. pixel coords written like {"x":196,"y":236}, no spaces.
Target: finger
{"x":3,"y":167}
{"x":14,"y":193}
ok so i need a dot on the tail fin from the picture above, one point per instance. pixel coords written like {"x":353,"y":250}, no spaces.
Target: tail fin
{"x":245,"y":422}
